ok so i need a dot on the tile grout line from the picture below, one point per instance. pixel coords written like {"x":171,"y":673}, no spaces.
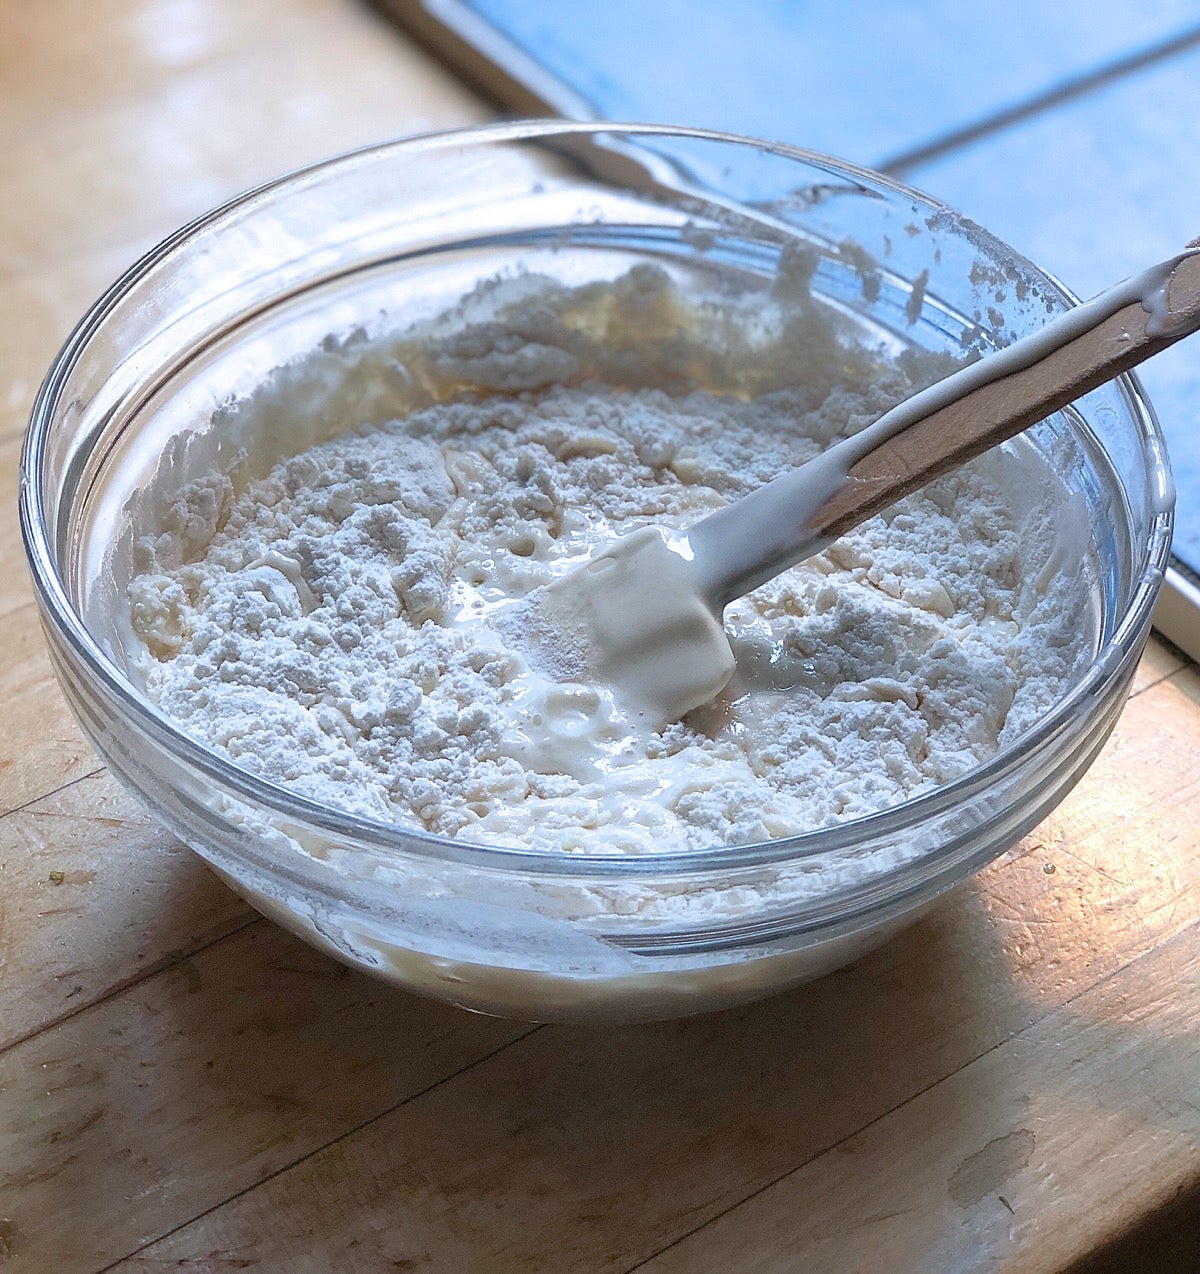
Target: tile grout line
{"x":1193,"y":927}
{"x":342,"y":1136}
{"x":900,"y":164}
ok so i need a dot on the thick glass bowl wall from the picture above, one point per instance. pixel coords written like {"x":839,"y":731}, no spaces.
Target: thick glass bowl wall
{"x":395,"y":233}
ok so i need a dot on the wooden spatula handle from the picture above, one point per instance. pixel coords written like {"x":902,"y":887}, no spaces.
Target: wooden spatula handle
{"x":802,"y":510}
{"x":1002,"y":408}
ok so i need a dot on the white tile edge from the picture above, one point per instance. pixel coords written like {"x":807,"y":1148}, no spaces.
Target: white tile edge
{"x":1177,"y":613}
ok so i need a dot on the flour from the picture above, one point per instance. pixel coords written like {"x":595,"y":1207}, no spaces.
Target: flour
{"x":337,"y":624}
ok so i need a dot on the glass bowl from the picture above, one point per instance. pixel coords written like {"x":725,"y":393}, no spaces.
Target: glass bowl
{"x":405,"y":228}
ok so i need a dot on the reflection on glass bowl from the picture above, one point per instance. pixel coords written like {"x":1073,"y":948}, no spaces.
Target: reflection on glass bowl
{"x":407,"y":228}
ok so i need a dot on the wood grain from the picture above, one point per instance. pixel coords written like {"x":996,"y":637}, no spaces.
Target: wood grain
{"x":88,"y":851}
{"x":43,"y":305}
{"x":1159,"y":661}
{"x":983,"y":1170}
{"x":201,"y":1081}
{"x":185,"y":105}
{"x":561,"y":1133}
{"x":41,"y":746}
{"x":603,"y":1112}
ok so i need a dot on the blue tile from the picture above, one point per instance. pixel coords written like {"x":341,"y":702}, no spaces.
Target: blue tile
{"x":1093,"y":191}
{"x":863,"y":80}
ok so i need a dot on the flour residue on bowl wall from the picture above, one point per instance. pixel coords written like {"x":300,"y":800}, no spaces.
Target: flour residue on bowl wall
{"x":327,"y":618}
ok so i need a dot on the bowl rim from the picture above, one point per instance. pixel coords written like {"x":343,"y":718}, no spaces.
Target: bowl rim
{"x":1113,"y":658}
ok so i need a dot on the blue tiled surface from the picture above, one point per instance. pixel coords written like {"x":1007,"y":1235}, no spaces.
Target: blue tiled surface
{"x":1091,"y":185}
{"x":864,"y":79}
{"x":1094,"y":190}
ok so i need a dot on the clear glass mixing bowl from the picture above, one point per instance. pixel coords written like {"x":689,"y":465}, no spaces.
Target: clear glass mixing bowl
{"x":404,"y":229}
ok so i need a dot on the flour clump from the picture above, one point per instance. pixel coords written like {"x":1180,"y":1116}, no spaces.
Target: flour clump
{"x":336,"y":622}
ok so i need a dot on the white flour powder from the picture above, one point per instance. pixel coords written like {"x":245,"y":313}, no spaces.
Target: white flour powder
{"x":330,"y":626}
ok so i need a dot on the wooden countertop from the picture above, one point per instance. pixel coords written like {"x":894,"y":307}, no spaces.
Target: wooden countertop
{"x":1012,"y":1084}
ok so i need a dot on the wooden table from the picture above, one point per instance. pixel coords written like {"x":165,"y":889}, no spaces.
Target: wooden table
{"x":1013,"y":1084}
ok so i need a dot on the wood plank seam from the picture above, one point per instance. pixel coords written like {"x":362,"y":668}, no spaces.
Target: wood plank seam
{"x":172,"y":959}
{"x":164,"y":964}
{"x":1189,"y":669}
{"x":1166,"y":676}
{"x":1031,"y":1024}
{"x":1193,"y":928}
{"x":333,"y":1141}
{"x":54,"y":791}
{"x":1157,"y":647}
